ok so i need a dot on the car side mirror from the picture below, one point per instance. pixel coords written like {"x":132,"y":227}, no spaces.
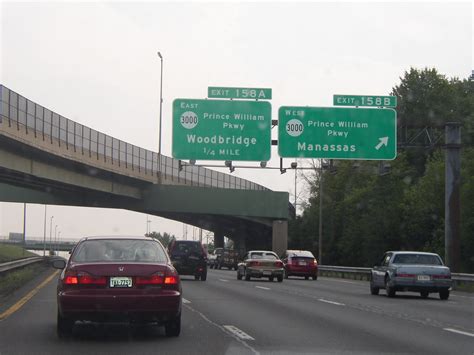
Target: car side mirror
{"x":59,"y":264}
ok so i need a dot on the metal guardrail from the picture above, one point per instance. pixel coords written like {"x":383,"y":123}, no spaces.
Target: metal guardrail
{"x":29,"y":117}
{"x":11,"y":265}
{"x":365,"y":271}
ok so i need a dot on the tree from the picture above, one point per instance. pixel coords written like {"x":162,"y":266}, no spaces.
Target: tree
{"x":165,"y":239}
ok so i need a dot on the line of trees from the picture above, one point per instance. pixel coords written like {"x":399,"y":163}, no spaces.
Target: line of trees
{"x":366,"y":213}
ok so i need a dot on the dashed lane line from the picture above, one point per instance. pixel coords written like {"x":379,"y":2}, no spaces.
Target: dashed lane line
{"x":185,"y":301}
{"x":240,"y":340}
{"x":459,"y":332}
{"x":262,"y":288}
{"x":237,"y":332}
{"x":223,"y":280}
{"x":331,"y":302}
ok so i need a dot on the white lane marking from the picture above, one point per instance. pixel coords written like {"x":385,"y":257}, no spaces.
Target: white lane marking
{"x":262,"y":288}
{"x":331,"y":302}
{"x":459,"y":332}
{"x":185,"y":301}
{"x":237,"y":332}
{"x":244,"y":343}
{"x":223,"y":280}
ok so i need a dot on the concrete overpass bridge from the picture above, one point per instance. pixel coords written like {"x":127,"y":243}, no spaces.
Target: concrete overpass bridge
{"x":46,"y":158}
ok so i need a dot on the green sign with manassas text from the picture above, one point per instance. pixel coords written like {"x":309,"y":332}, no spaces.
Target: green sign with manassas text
{"x":239,"y":93}
{"x":337,"y":133}
{"x":369,"y":101}
{"x":222,"y":130}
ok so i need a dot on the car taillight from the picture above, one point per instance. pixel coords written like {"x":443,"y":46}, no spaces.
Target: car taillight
{"x":405,"y":275}
{"x":83,"y":278}
{"x":312,"y":262}
{"x":278,"y":264}
{"x":171,"y":280}
{"x":70,"y":279}
{"x":156,"y":279}
{"x":254,"y":263}
{"x":441,"y":276}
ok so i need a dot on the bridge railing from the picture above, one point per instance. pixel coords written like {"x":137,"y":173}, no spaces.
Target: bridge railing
{"x":17,"y":111}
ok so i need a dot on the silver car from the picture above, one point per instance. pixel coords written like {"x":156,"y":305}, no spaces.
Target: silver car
{"x":411,"y":271}
{"x":260,"y":263}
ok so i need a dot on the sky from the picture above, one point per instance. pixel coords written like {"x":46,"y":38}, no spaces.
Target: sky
{"x":96,"y":63}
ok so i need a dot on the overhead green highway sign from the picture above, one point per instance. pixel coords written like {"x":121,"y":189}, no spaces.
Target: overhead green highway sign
{"x":239,"y":93}
{"x":337,"y":133}
{"x":369,"y":101}
{"x":222,"y":130}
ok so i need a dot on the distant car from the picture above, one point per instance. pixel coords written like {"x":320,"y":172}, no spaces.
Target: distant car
{"x":118,"y":279}
{"x":300,"y":263}
{"x":189,"y":258}
{"x":229,"y":259}
{"x":260,"y":263}
{"x":411,"y":271}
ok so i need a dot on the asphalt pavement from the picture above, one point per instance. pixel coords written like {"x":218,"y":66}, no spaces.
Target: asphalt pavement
{"x":226,"y":316}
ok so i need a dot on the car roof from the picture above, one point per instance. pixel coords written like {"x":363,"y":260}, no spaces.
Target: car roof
{"x":187,"y":241}
{"x":412,"y":252}
{"x":262,"y":251}
{"x":116,"y":237}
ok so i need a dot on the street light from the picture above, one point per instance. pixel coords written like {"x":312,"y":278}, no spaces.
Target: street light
{"x":161,"y":110}
{"x":320,"y":243}
{"x":44,"y":232}
{"x":50,"y":232}
{"x":55,"y":235}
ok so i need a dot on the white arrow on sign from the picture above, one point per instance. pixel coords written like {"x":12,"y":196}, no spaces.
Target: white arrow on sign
{"x":383,"y":141}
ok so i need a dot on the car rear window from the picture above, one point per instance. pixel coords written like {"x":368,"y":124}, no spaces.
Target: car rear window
{"x":301,"y":254}
{"x":421,"y":259}
{"x":186,"y":248}
{"x":263,"y":256}
{"x":119,"y":250}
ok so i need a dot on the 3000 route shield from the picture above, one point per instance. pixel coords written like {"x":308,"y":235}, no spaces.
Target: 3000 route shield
{"x":221,"y":130}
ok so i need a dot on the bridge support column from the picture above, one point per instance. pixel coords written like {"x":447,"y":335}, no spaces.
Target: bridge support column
{"x":280,"y":237}
{"x":218,"y":240}
{"x":239,"y":245}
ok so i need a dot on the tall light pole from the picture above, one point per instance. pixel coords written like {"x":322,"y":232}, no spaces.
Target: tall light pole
{"x":24,"y":227}
{"x":44,"y":232}
{"x":320,"y":243}
{"x":50,"y":232}
{"x":55,"y":235}
{"x":161,"y":110}
{"x":148,"y":225}
{"x":57,"y":242}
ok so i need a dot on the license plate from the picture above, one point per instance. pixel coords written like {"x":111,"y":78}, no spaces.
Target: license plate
{"x":302,"y":263}
{"x":267,"y":273}
{"x":120,"y":282}
{"x":423,"y":278}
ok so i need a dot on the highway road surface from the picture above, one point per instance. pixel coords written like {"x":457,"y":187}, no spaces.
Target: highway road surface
{"x":225,"y":316}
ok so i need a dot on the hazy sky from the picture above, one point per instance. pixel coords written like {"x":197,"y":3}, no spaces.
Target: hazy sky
{"x":96,"y":63}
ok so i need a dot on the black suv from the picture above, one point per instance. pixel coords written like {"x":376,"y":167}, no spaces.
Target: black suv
{"x":189,"y":258}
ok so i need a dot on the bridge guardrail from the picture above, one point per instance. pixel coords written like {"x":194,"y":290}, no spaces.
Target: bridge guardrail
{"x":12,"y":265}
{"x":460,"y":280}
{"x":25,"y":115}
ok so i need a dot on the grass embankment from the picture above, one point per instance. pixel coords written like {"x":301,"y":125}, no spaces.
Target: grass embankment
{"x":13,"y":280}
{"x":10,"y":252}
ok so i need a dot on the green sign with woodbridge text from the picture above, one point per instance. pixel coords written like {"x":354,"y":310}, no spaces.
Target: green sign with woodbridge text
{"x":221,"y":130}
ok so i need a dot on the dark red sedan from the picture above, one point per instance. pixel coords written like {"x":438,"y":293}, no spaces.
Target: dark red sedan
{"x":300,"y":263}
{"x":117,"y":279}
